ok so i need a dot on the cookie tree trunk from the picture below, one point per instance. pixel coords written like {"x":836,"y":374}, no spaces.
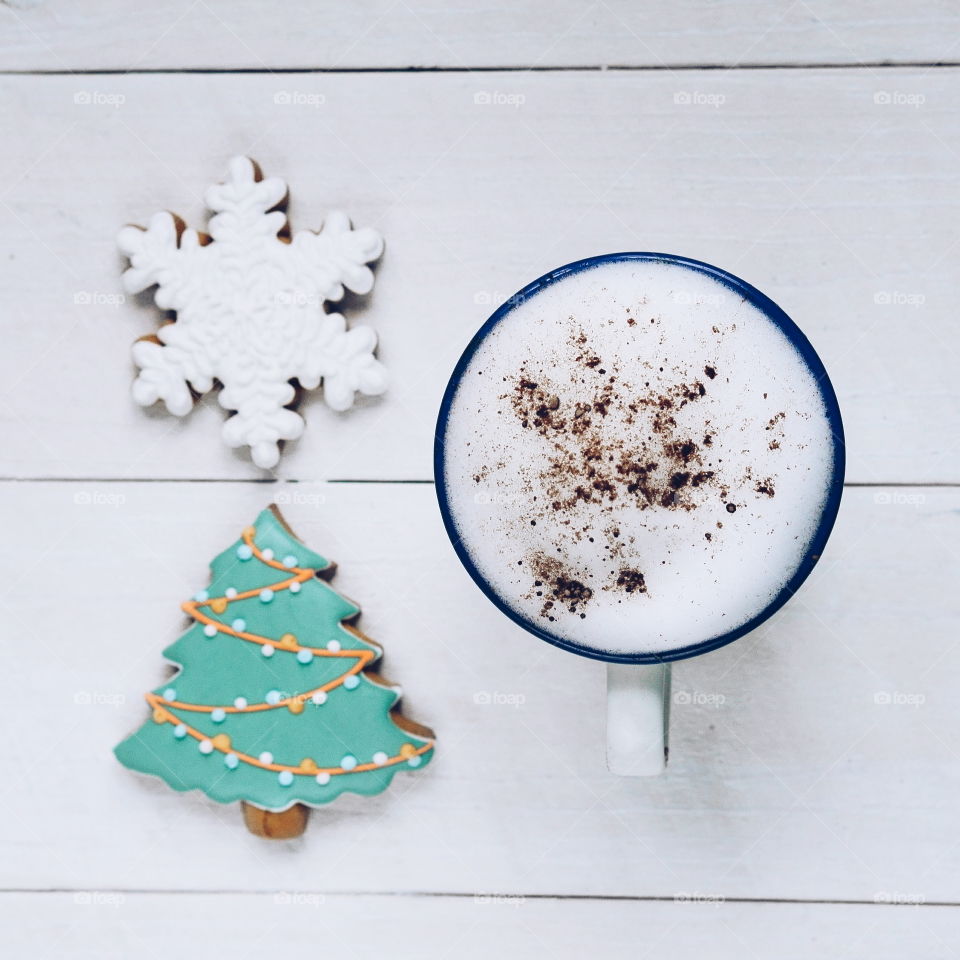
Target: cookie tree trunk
{"x":276,"y":826}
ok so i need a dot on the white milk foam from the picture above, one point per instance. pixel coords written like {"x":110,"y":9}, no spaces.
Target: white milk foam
{"x":637,"y":458}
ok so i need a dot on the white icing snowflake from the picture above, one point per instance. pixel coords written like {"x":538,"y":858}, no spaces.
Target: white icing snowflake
{"x":250,"y":311}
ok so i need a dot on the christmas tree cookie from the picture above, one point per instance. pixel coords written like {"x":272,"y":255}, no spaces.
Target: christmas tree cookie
{"x":273,"y":703}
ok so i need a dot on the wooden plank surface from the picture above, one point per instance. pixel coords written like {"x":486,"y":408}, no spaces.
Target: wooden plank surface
{"x":110,"y":34}
{"x":106,"y":925}
{"x":834,"y":191}
{"x":814,"y":759}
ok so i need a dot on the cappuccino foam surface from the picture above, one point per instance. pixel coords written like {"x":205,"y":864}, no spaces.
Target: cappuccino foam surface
{"x":637,"y":458}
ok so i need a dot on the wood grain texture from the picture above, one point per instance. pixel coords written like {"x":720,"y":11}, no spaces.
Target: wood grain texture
{"x":814,"y":759}
{"x":253,"y":34}
{"x":111,"y":925}
{"x":834,"y":191}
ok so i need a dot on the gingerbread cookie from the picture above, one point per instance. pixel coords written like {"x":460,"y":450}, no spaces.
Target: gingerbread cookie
{"x":274,"y":704}
{"x":249,"y":302}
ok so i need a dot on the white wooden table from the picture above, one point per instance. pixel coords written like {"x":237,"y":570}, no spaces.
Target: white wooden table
{"x":811,"y":806}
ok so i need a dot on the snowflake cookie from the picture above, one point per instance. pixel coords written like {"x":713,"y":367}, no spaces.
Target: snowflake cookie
{"x":249,"y":300}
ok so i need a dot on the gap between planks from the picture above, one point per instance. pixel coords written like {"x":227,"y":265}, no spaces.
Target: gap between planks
{"x":519,"y":68}
{"x":440,"y":895}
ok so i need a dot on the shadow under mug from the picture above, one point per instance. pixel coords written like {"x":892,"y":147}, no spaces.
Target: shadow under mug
{"x":638,"y":684}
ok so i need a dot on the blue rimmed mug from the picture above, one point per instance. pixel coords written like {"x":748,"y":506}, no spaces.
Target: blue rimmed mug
{"x":638,"y":680}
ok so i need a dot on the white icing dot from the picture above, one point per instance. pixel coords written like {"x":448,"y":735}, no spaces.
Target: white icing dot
{"x":333,"y":646}
{"x":244,"y":552}
{"x":266,"y":757}
{"x":210,"y":630}
{"x":267,"y":554}
{"x":295,"y":586}
{"x":319,"y":698}
{"x":240,"y":703}
{"x":180,"y":731}
{"x":273,"y":696}
{"x":348,"y":762}
{"x":305,"y":656}
{"x":218,"y":715}
{"x":266,"y":595}
{"x":285,"y":778}
{"x":380,"y":758}
{"x":239,"y":624}
{"x":290,"y":561}
{"x":352,"y":682}
{"x":230,"y":593}
{"x":231,"y":760}
{"x":323,"y":778}
{"x":201,"y":596}
{"x":206,"y":747}
{"x":169,"y":694}
{"x":414,"y":761}
{"x":268,"y":649}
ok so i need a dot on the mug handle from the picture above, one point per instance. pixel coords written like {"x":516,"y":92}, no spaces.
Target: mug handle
{"x":638,"y":718}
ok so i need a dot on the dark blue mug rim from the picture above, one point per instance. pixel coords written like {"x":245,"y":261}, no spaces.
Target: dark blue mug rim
{"x":831,"y":503}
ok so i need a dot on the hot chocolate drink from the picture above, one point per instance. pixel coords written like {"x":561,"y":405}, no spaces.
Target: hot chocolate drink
{"x":636,"y":455}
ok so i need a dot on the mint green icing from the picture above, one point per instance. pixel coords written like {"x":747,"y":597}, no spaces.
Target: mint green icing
{"x":215,"y":671}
